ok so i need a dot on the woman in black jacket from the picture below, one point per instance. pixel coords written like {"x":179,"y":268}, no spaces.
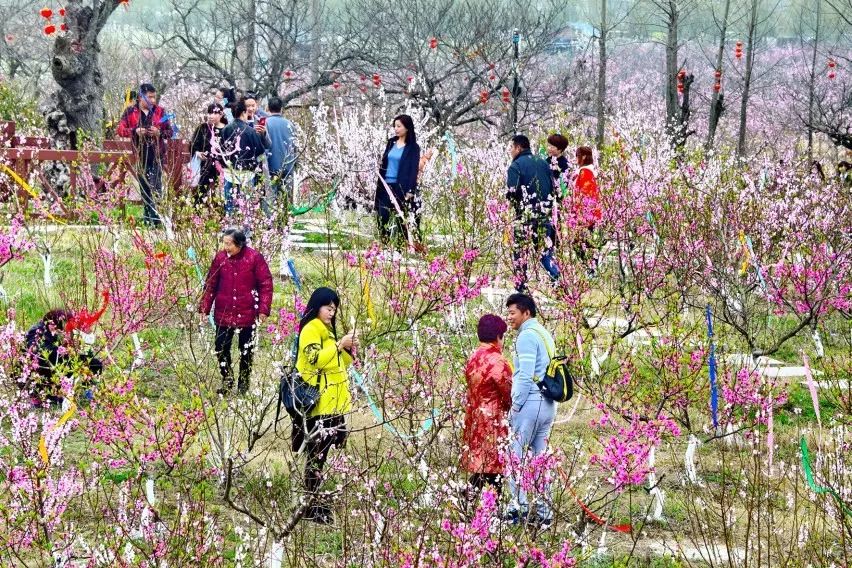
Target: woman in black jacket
{"x":398,"y":176}
{"x":51,"y":349}
{"x":202,"y":146}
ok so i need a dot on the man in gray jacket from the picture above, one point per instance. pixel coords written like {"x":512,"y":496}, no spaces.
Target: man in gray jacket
{"x":532,"y":414}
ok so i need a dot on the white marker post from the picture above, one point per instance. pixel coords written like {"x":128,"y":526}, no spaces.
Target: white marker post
{"x":689,"y":459}
{"x":47,"y":261}
{"x":657,"y":494}
{"x":137,"y":348}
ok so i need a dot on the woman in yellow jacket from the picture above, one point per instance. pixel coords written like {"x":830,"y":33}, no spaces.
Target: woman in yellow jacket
{"x":322,"y":361}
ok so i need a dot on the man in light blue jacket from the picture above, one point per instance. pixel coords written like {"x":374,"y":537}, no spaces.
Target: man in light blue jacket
{"x":532,"y":415}
{"x":281,"y":155}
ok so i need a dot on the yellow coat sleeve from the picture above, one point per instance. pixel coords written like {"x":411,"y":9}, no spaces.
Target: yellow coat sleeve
{"x":318,"y":349}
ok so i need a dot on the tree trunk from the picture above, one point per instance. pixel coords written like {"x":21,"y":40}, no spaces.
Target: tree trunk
{"x":672,"y":110}
{"x":752,"y":26}
{"x":717,"y":101}
{"x":812,"y":83}
{"x":249,"y":56}
{"x":601,"y":102}
{"x":77,"y":107}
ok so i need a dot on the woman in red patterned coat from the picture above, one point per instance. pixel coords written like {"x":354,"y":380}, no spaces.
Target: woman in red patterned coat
{"x":489,"y":397}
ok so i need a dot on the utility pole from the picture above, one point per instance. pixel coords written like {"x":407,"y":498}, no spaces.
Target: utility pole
{"x":516,"y":84}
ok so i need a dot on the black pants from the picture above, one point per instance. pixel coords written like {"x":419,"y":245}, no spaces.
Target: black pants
{"x":323,"y":433}
{"x":224,"y":339}
{"x":150,"y":178}
{"x":387,"y":217}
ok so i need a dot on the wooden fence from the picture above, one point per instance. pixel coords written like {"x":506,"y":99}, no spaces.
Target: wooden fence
{"x":23,"y":154}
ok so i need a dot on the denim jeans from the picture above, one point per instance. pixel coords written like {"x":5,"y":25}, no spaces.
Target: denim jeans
{"x":231,"y":194}
{"x":542,"y":237}
{"x":530,"y":432}
{"x":278,"y":183}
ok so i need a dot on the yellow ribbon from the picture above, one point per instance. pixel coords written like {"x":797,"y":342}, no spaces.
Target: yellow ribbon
{"x":746,"y":254}
{"x":368,"y":300}
{"x":27,"y":187}
{"x":42,"y":443}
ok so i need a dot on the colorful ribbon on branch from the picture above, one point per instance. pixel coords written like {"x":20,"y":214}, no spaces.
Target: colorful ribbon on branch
{"x":626,"y":528}
{"x":365,"y":293}
{"x":809,"y":476}
{"x":26,"y":187}
{"x":380,"y":418}
{"x":812,"y":387}
{"x":454,"y":158}
{"x":714,"y":392}
{"x":42,"y":442}
{"x":750,"y":258}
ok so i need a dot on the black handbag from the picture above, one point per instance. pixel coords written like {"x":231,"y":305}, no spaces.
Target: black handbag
{"x":296,"y":396}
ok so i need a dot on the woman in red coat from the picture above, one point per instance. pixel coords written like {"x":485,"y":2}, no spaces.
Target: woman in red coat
{"x":489,"y":397}
{"x":240,"y":283}
{"x":587,"y":198}
{"x":587,"y":208}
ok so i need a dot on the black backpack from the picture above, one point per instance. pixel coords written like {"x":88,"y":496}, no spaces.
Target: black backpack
{"x":557,"y":384}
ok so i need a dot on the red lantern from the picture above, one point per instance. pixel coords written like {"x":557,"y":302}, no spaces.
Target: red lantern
{"x":377,"y":80}
{"x":64,"y":27}
{"x":46,"y":13}
{"x":288,"y":74}
{"x":681,"y":74}
{"x":336,"y":85}
{"x":832,"y":75}
{"x":507,"y":96}
{"x":433,"y":43}
{"x":483,"y":96}
{"x":492,"y":77}
{"x":62,"y":12}
{"x":10,"y":38}
{"x":718,"y":74}
{"x":491,"y":66}
{"x":717,"y":87}
{"x":49,"y":29}
{"x":409,"y":79}
{"x":832,"y":64}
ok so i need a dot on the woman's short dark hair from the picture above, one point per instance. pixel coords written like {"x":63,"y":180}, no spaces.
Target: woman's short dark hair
{"x":558,"y":141}
{"x":523,"y":303}
{"x":585,"y":156}
{"x":408,"y":123}
{"x":490,"y":328}
{"x":237,"y":235}
{"x":58,"y":317}
{"x":321,"y":297}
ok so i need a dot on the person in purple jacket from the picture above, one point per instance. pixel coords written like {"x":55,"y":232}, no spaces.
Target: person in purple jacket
{"x":240,"y":284}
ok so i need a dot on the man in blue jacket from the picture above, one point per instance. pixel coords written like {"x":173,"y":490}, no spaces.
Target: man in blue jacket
{"x":281,"y":156}
{"x":531,"y":416}
{"x":530,"y":189}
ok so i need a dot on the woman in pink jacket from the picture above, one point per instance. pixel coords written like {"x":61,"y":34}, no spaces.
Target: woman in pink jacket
{"x":240,"y":284}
